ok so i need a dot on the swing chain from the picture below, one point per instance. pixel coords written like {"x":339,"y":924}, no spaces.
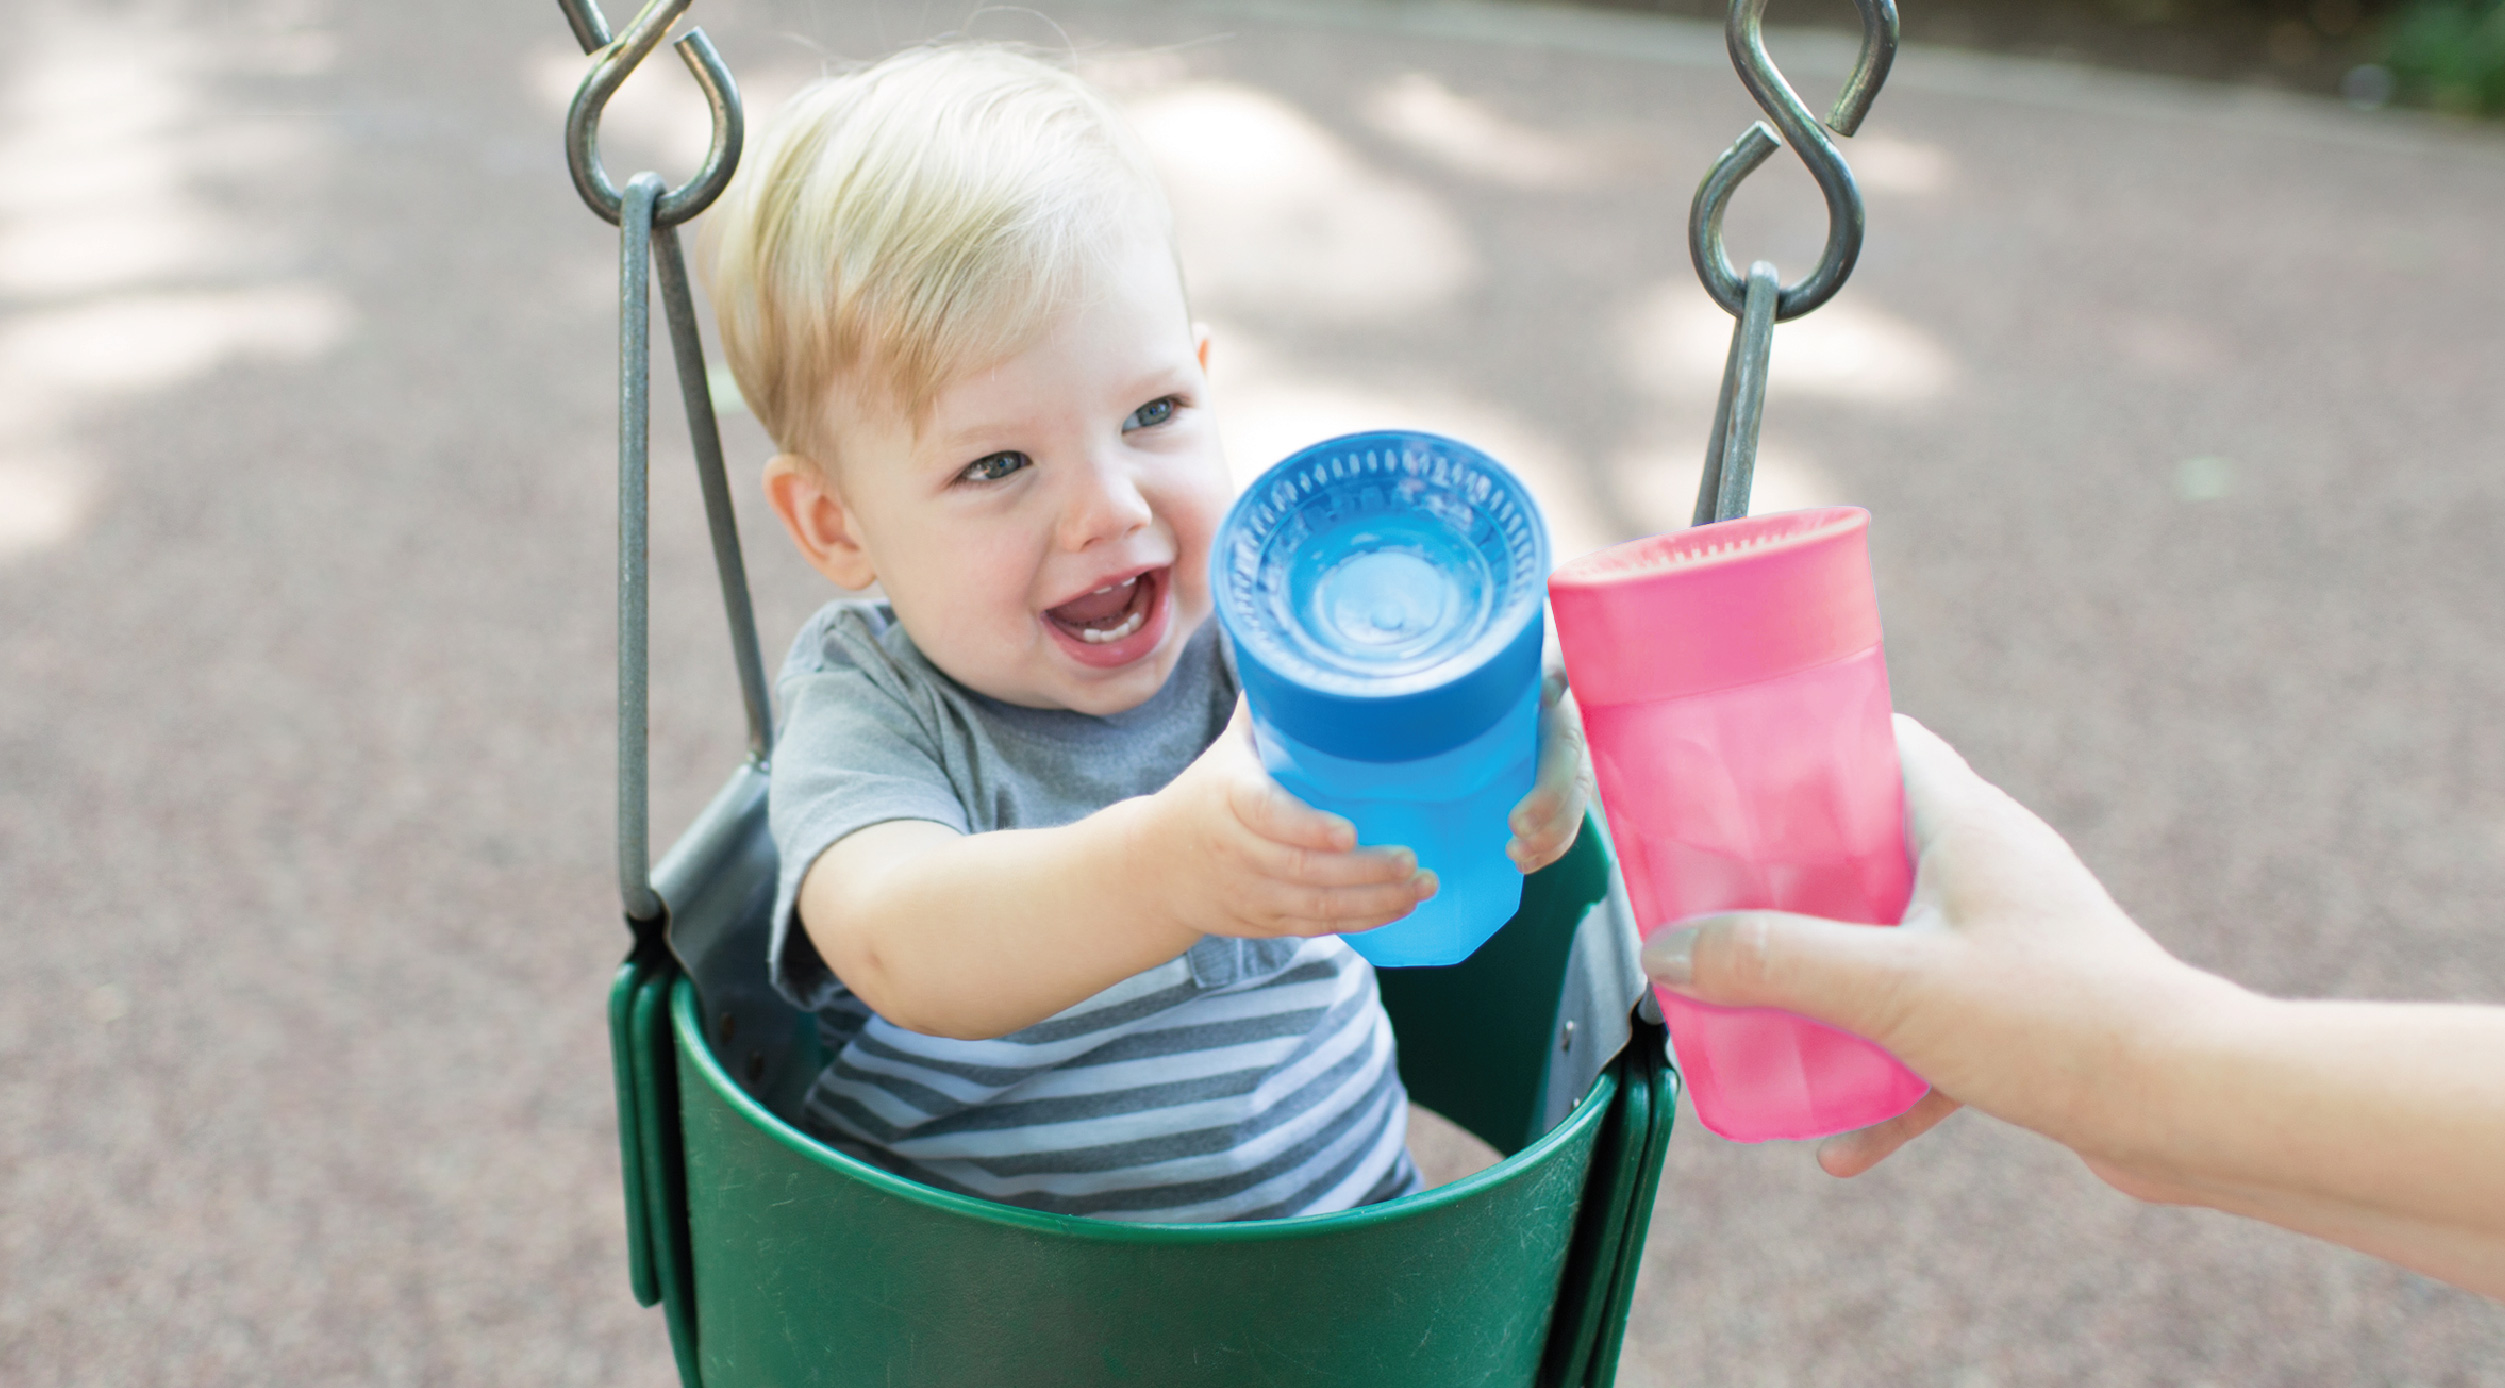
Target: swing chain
{"x":1760,"y":300}
{"x":647,"y":216}
{"x":612,"y":62}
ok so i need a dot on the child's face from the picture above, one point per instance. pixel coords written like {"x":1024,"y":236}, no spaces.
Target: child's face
{"x":1044,"y":535}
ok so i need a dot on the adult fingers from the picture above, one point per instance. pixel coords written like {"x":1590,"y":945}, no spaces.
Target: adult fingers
{"x":1940,"y":788}
{"x":1850,"y":1154}
{"x":1843,"y":975}
{"x":1943,"y":793}
{"x":1975,"y":846}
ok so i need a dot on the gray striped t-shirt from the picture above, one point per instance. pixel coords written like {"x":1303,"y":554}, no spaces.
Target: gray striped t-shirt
{"x":1246,"y":1079}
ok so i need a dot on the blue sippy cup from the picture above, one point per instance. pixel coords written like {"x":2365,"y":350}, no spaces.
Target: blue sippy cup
{"x":1382,"y":594}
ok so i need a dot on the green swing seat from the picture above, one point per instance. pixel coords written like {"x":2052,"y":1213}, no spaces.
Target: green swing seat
{"x":781,"y":1263}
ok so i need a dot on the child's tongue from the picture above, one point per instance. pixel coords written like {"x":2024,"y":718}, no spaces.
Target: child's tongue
{"x":1098,"y":610}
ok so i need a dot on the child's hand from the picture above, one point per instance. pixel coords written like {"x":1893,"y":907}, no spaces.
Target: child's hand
{"x":1235,"y":854}
{"x":1545,"y":823}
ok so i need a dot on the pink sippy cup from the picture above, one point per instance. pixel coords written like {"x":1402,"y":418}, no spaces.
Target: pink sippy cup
{"x":1734,"y":693}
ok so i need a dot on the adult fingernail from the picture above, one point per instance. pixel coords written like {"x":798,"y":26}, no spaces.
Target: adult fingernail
{"x":1426,"y":884}
{"x":1670,"y":958}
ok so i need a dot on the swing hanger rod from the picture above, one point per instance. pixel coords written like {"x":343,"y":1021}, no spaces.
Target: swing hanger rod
{"x":1760,"y":299}
{"x":612,"y":61}
{"x":647,"y":215}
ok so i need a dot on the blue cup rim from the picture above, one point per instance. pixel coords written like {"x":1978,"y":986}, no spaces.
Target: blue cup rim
{"x":1346,"y":708}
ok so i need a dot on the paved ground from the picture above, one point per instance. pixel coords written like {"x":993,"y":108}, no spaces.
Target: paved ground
{"x":2177,"y":407}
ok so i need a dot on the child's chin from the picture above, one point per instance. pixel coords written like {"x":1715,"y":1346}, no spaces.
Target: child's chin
{"x":1105,"y":700}
{"x":1103,"y":690}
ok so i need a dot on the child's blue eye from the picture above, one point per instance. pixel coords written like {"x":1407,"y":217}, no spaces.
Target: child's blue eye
{"x":993,"y":468}
{"x":1150,"y":415}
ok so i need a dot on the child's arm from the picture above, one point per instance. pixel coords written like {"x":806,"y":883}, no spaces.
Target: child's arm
{"x":975,"y":936}
{"x":1545,"y":822}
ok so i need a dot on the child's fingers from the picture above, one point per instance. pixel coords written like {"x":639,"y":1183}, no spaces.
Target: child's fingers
{"x":1564,"y":768}
{"x":1296,"y":866}
{"x":1309,"y":911}
{"x":1561,"y":733}
{"x":1543,"y":829}
{"x":1262,"y":806}
{"x":1546,"y":821}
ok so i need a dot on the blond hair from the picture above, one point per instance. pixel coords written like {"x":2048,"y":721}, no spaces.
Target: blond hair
{"x":912,"y":220}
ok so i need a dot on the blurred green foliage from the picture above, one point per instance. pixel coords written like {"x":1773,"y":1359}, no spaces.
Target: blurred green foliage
{"x":2450,"y":54}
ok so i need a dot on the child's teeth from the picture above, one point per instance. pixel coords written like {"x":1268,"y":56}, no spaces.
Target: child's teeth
{"x":1129,"y":624}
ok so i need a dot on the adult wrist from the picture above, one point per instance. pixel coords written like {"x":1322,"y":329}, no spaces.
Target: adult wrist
{"x":2173,"y":1049}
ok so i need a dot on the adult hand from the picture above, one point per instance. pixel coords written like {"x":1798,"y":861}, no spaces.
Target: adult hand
{"x":2011,"y":984}
{"x":2017,"y":986}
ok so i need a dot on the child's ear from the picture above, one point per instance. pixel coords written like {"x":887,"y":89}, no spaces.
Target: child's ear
{"x":819,"y":522}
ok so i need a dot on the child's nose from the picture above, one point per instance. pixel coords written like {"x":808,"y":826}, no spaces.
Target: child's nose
{"x":1109,"y":505}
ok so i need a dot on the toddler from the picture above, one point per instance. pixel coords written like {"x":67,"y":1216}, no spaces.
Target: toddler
{"x":1069,"y":946}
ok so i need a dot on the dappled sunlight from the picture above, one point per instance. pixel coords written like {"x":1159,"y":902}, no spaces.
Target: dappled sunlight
{"x":151,"y":341}
{"x":94,"y":147}
{"x":122,"y":276}
{"x":1279,"y":216}
{"x":42,"y":500}
{"x":1676,"y":342}
{"x":1471,"y":138}
{"x":1268,"y":407}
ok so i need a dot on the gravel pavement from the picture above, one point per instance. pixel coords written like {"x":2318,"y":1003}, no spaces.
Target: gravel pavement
{"x":2178,"y":408}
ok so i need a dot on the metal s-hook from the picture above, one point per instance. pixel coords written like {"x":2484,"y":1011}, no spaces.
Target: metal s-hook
{"x":1760,"y":300}
{"x":1835,"y":180}
{"x":612,"y":61}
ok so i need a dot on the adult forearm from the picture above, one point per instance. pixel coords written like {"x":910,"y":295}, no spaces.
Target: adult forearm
{"x":2468,"y":1258}
{"x":975,"y":936}
{"x":2381,"y":1126}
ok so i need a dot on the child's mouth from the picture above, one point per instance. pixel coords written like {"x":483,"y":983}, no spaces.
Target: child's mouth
{"x":1101,"y":627}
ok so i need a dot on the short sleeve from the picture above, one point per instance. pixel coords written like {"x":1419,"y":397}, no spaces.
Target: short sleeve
{"x":856,"y":748}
